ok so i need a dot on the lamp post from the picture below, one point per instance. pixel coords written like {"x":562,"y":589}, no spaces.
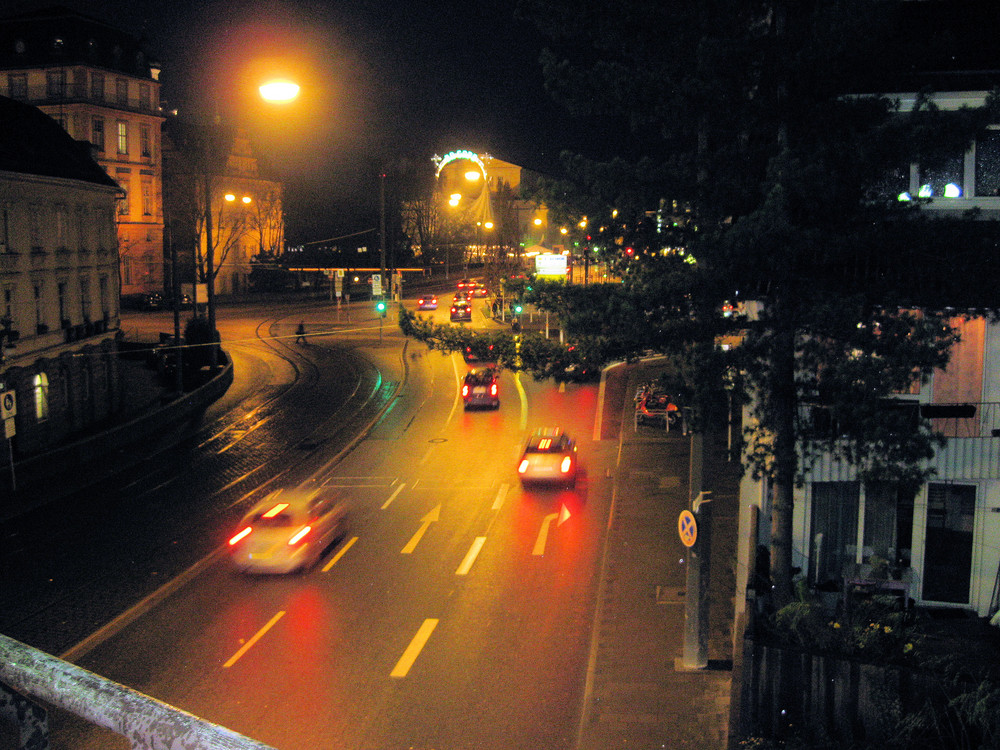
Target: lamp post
{"x":278,"y":91}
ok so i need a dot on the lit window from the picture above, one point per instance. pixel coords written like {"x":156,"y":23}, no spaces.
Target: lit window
{"x":41,"y":387}
{"x":122,"y":137}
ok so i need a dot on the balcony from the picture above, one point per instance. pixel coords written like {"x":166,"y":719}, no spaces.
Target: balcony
{"x":972,"y":431}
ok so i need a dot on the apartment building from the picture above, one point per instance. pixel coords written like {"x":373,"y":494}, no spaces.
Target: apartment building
{"x":58,"y":282}
{"x":100,"y":84}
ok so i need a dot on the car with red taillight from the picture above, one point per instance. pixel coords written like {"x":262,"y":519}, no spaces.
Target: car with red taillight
{"x":427,"y":302}
{"x":549,"y":456}
{"x":481,"y":387}
{"x":287,"y":531}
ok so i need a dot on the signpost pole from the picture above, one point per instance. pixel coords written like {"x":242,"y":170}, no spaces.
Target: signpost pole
{"x":699,"y":556}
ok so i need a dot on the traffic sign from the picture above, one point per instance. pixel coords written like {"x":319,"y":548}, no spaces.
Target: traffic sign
{"x":376,"y":285}
{"x":8,"y":405}
{"x":687,"y":527}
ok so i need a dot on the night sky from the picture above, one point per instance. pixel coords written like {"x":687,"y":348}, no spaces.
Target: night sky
{"x":382,"y":81}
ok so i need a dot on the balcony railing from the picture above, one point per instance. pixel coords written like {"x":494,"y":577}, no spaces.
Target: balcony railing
{"x":952,"y":420}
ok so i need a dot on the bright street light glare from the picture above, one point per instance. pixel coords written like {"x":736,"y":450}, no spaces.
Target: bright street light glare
{"x":279,"y":91}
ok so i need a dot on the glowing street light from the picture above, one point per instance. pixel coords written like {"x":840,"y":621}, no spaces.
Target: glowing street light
{"x":279,"y":91}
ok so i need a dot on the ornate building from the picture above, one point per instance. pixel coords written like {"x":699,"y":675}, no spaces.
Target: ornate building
{"x":58,"y":281}
{"x":99,"y":84}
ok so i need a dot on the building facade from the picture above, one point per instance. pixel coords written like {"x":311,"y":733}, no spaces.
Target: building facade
{"x":59,"y":295}
{"x":940,"y":544}
{"x":100,"y":85}
{"x":246,"y":217}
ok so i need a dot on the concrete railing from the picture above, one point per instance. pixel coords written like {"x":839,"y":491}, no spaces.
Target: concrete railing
{"x":148,"y":724}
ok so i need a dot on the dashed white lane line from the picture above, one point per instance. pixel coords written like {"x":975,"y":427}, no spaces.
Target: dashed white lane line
{"x":501,"y":495}
{"x":470,"y":556}
{"x":409,"y":656}
{"x":393,"y":496}
{"x":256,"y":637}
{"x":340,"y":554}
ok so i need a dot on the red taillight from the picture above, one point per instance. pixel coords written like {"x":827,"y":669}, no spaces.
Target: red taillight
{"x":523,"y":467}
{"x":465,"y":390}
{"x":420,"y":302}
{"x":493,"y":389}
{"x":299,"y":535}
{"x":566,"y":465}
{"x":242,"y":533}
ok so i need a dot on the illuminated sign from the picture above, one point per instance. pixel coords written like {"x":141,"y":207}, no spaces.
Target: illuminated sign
{"x":547,"y":264}
{"x":451,"y":156}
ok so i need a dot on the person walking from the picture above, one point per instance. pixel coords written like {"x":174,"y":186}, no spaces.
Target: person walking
{"x":300,"y":334}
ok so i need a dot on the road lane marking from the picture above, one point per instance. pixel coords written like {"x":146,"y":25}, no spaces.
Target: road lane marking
{"x":524,"y":400}
{"x":543,"y":534}
{"x":340,"y":554}
{"x":501,"y":495}
{"x":409,"y":656}
{"x":425,"y":523}
{"x":470,"y":556}
{"x":256,"y":637}
{"x":393,"y":496}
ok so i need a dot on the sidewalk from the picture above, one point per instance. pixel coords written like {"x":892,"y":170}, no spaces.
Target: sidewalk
{"x":640,"y":696}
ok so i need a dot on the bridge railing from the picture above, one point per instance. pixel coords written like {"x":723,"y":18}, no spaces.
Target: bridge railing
{"x":149,"y":724}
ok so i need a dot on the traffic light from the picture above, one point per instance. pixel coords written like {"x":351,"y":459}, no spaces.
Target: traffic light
{"x":380,"y":307}
{"x":517,"y":308}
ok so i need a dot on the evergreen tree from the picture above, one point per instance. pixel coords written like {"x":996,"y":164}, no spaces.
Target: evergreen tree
{"x":772,"y":121}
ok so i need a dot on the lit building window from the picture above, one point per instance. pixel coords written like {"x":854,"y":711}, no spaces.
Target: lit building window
{"x":41,"y":388}
{"x":122,"y":137}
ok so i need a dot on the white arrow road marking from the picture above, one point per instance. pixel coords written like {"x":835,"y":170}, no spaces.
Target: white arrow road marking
{"x":335,"y":558}
{"x":470,"y":556}
{"x":501,"y":495}
{"x":409,"y":656}
{"x":425,"y":523}
{"x":256,"y":637}
{"x":393,"y":496}
{"x":543,"y":533}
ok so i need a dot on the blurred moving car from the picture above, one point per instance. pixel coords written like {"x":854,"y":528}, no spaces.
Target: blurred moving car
{"x":428,"y":302}
{"x":480,"y":291}
{"x":461,"y":310}
{"x":481,"y":387}
{"x":465,"y":284}
{"x":549,"y":456}
{"x":287,"y":531}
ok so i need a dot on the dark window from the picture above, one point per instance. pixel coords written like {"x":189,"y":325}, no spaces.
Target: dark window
{"x":988,"y":163}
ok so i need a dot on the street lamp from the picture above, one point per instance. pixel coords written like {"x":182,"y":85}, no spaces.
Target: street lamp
{"x":279,"y":91}
{"x":275,"y":92}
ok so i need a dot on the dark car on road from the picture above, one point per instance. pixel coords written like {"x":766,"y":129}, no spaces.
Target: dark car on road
{"x":461,"y":310}
{"x":481,"y":387}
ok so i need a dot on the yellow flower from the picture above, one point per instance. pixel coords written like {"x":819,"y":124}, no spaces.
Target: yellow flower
{"x":887,"y":629}
{"x":836,"y":625}
{"x":907,"y":648}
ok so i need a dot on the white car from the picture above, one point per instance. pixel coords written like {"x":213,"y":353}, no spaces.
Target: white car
{"x":549,"y":456}
{"x":287,"y":531}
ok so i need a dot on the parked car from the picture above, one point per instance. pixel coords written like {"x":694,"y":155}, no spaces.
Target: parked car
{"x":287,"y":531}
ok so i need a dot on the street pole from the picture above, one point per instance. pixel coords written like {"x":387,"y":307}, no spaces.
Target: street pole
{"x":209,"y":267}
{"x":696,"y":610}
{"x":381,"y":223}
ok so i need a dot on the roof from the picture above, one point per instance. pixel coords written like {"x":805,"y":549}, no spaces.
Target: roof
{"x":61,"y":36}
{"x":33,"y":143}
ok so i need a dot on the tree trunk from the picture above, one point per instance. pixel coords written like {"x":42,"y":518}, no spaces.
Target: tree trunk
{"x":785,"y":464}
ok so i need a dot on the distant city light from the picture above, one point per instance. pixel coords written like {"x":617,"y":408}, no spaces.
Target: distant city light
{"x":951,"y":190}
{"x":904,"y":197}
{"x":926,"y":191}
